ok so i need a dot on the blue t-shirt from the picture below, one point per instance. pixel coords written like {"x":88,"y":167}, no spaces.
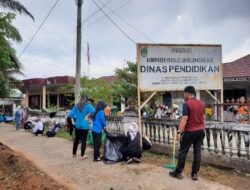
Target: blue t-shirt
{"x":79,"y":116}
{"x":99,"y":122}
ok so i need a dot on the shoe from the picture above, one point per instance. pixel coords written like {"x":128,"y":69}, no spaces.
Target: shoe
{"x":129,"y":160}
{"x":176,"y":175}
{"x":137,"y":160}
{"x":74,"y":155}
{"x":97,"y":160}
{"x":194,"y":177}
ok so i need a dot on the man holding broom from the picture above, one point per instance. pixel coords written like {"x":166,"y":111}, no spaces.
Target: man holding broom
{"x":190,"y":132}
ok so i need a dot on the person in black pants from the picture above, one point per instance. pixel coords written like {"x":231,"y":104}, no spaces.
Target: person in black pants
{"x":70,"y":126}
{"x":81,"y":113}
{"x":38,"y":132}
{"x":53,"y":128}
{"x":39,"y":128}
{"x":97,"y":138}
{"x":191,"y":132}
{"x":98,"y":125}
{"x":132,"y":149}
{"x":80,"y":135}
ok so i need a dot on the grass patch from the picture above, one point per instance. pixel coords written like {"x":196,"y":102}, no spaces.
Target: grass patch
{"x":61,"y":133}
{"x":64,"y":134}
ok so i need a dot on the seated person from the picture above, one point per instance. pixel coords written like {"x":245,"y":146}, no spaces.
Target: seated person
{"x":132,"y":148}
{"x":39,"y":128}
{"x":1,"y":117}
{"x":242,"y":111}
{"x":53,"y":128}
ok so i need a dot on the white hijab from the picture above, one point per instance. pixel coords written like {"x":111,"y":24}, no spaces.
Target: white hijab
{"x":131,"y":129}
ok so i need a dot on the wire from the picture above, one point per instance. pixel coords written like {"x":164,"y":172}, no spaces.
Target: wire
{"x":119,"y":28}
{"x":133,"y":27}
{"x":94,"y":13}
{"x":71,"y":31}
{"x":39,"y":28}
{"x":121,"y":6}
{"x":88,"y":25}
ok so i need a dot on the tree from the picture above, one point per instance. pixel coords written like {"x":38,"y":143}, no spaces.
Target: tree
{"x":126,"y":84}
{"x":15,"y":6}
{"x":9,"y":63}
{"x":7,"y":30}
{"x":97,"y":89}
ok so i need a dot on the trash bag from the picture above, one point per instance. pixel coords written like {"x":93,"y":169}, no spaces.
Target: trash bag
{"x":146,"y":144}
{"x":28,"y":125}
{"x":112,"y":148}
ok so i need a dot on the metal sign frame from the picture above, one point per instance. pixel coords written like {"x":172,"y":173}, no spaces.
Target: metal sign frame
{"x":154,"y":92}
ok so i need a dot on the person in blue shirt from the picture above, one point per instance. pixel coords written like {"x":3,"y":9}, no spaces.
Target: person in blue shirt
{"x":18,"y":118}
{"x":99,"y":123}
{"x":80,"y":113}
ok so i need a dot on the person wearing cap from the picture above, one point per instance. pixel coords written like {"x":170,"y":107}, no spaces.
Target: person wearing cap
{"x":80,"y":113}
{"x":191,"y":131}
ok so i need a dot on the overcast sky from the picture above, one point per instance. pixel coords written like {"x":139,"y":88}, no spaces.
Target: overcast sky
{"x":52,"y":52}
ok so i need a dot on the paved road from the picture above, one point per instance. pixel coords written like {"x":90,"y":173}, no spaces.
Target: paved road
{"x":54,"y":157}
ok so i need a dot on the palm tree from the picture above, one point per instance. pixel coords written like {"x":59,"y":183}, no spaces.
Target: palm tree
{"x":10,"y":66}
{"x":15,"y":6}
{"x":7,"y":29}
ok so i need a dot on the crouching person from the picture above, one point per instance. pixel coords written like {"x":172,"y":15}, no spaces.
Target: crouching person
{"x":53,"y":128}
{"x":39,"y":128}
{"x":132,"y":151}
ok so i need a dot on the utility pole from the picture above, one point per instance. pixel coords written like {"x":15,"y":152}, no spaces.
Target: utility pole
{"x":78,"y":50}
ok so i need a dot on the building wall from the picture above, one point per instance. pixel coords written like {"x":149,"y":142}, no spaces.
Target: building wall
{"x":248,"y":92}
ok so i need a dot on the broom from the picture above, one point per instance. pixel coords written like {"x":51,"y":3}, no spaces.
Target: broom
{"x":173,"y":165}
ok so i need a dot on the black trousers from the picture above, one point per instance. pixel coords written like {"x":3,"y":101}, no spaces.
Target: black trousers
{"x":97,"y":137}
{"x":71,"y":129}
{"x":80,"y":134}
{"x":38,"y":132}
{"x":131,"y":151}
{"x":187,"y":139}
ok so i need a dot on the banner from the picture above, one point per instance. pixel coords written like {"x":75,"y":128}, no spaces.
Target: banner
{"x":173,"y":67}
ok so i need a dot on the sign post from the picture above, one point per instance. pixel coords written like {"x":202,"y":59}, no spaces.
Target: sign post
{"x":172,"y":67}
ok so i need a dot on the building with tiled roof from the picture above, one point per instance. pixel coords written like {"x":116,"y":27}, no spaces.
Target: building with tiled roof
{"x":42,"y":92}
{"x":239,"y":68}
{"x":236,"y":76}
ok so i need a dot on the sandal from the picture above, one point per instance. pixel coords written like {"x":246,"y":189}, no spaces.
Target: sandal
{"x":83,"y":157}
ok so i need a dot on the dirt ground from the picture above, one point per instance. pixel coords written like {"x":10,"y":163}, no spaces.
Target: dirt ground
{"x":18,"y":173}
{"x":53,"y":157}
{"x":230,"y":178}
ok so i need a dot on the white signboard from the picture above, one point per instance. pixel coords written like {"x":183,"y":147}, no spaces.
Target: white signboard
{"x":172,"y":67}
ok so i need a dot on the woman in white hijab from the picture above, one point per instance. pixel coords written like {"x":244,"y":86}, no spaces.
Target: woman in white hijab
{"x":132,"y":150}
